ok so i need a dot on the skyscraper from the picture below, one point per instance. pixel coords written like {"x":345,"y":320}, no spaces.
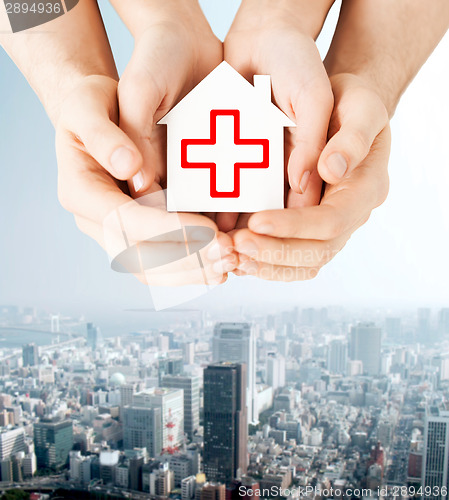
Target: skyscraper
{"x":93,"y":336}
{"x":225,"y":422}
{"x":365,"y":346}
{"x":30,"y":355}
{"x":275,"y":370}
{"x":53,"y":441}
{"x":236,"y":343}
{"x":436,"y":450}
{"x":171,"y":404}
{"x":142,"y":428}
{"x":443,"y":321}
{"x":191,"y":388}
{"x":337,"y":356}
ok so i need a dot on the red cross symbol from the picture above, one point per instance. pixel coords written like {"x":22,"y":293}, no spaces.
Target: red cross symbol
{"x":237,"y":141}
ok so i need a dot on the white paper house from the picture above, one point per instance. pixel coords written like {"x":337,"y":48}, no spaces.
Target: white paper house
{"x":225,"y":146}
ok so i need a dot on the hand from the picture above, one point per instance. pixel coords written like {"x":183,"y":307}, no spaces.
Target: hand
{"x":170,"y":58}
{"x":269,"y":38}
{"x":88,"y":143}
{"x":293,"y":244}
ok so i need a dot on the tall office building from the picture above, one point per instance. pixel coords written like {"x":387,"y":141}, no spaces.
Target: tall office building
{"x":393,"y":327}
{"x":30,"y":355}
{"x":12,"y":441}
{"x":275,"y":371}
{"x":365,"y":346}
{"x":127,"y":392}
{"x":188,"y":353}
{"x":423,"y":324}
{"x":53,"y":440}
{"x":443,"y":321}
{"x":337,"y":356}
{"x":171,"y":404}
{"x":225,"y":422}
{"x":191,"y":388}
{"x":435,"y":464}
{"x":93,"y":336}
{"x":142,"y":428}
{"x":236,"y":343}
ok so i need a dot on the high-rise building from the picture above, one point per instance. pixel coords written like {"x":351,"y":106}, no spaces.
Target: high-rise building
{"x":127,"y":392}
{"x":142,"y":428}
{"x":423,"y":324}
{"x":435,"y":464}
{"x":188,"y":352}
{"x":93,"y":336}
{"x":393,"y":327}
{"x":337,"y":356}
{"x":236,"y":343}
{"x":191,"y":388}
{"x":12,"y":441}
{"x":365,"y":346}
{"x":53,"y":441}
{"x":443,"y":321}
{"x":225,"y":422}
{"x":275,"y":371}
{"x":30,"y":355}
{"x":171,"y":404}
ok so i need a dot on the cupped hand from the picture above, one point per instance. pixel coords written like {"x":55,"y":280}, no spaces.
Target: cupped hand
{"x":294,"y":243}
{"x":170,"y":58}
{"x":88,"y":144}
{"x":268,"y":38}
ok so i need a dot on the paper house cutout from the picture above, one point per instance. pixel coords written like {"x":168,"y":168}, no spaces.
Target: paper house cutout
{"x":225,"y":146}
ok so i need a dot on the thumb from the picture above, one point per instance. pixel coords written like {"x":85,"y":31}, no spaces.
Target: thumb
{"x":91,"y":120}
{"x":362,"y":119}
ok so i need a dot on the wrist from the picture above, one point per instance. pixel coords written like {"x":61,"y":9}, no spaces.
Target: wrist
{"x":53,"y":97}
{"x":306,"y":16}
{"x":141,"y":15}
{"x":370,"y":79}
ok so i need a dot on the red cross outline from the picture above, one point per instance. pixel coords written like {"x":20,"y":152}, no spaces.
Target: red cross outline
{"x":265,"y":143}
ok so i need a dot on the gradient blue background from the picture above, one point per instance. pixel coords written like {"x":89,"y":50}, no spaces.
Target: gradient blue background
{"x":399,"y":258}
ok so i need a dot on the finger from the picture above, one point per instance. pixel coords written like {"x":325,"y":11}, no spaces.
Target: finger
{"x":92,"y":123}
{"x":311,"y":196}
{"x":312,"y":108}
{"x":146,"y":91}
{"x":276,"y":273}
{"x":193,"y":269}
{"x":351,"y":144}
{"x":343,"y":207}
{"x":288,"y":251}
{"x":226,"y":221}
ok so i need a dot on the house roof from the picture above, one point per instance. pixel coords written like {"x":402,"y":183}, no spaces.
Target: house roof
{"x":226,"y":85}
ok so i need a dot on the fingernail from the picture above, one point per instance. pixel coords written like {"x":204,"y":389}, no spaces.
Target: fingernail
{"x":138,"y":182}
{"x":248,"y":247}
{"x":122,"y":160}
{"x":264,"y":229}
{"x":249,"y":267}
{"x":337,"y":165}
{"x":304,"y":182}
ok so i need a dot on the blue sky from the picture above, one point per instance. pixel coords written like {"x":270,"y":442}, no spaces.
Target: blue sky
{"x":398,"y":258}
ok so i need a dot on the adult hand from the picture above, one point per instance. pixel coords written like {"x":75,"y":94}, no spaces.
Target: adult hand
{"x":278,"y":39}
{"x":88,"y":143}
{"x":174,"y":50}
{"x":294,"y":243}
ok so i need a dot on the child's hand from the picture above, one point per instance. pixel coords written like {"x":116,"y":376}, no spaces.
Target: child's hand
{"x":267,"y":38}
{"x":88,"y":144}
{"x":293,"y":244}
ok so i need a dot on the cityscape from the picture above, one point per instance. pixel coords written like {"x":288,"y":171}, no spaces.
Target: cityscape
{"x":298,"y":403}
